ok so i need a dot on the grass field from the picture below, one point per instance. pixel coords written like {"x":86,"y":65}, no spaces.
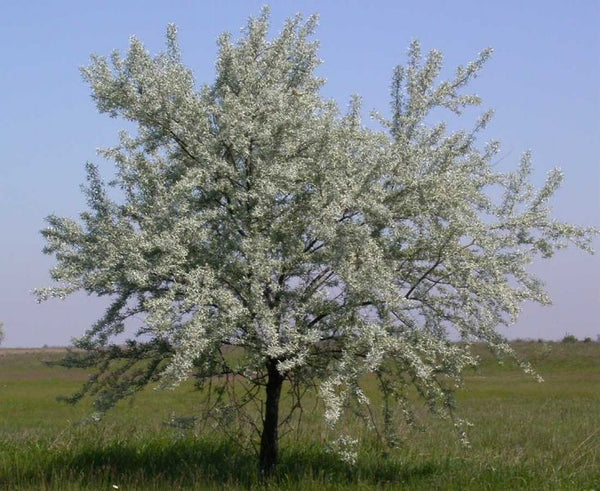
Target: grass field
{"x":526,"y":435}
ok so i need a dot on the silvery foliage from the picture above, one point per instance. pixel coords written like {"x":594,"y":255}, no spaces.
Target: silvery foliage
{"x":252,"y":214}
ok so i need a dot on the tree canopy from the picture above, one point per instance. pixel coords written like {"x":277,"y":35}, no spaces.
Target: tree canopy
{"x":251,"y":213}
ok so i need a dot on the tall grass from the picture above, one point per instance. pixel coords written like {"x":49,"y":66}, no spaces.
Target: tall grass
{"x":525,"y":436}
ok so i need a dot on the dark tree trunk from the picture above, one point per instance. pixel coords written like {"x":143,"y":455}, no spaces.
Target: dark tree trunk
{"x":269,"y":451}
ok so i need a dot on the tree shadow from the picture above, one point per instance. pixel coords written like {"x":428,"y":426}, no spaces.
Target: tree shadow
{"x":316,"y":463}
{"x":190,"y":463}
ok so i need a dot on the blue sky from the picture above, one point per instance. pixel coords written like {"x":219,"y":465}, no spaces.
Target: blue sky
{"x":543,"y":81}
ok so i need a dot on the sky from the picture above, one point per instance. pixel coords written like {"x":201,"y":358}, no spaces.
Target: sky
{"x":543,"y":82}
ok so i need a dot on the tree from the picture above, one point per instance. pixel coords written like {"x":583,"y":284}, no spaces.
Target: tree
{"x":249,"y":217}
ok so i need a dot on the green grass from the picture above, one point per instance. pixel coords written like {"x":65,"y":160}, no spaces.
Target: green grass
{"x":526,"y":435}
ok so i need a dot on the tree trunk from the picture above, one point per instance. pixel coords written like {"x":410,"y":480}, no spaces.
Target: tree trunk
{"x":269,"y":451}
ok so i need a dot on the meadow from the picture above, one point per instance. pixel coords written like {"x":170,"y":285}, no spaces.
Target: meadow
{"x":525,"y":435}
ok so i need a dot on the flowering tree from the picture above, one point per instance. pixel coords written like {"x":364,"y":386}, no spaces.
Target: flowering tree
{"x":270,"y":242}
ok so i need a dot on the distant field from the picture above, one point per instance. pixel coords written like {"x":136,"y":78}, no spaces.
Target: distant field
{"x":526,"y":435}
